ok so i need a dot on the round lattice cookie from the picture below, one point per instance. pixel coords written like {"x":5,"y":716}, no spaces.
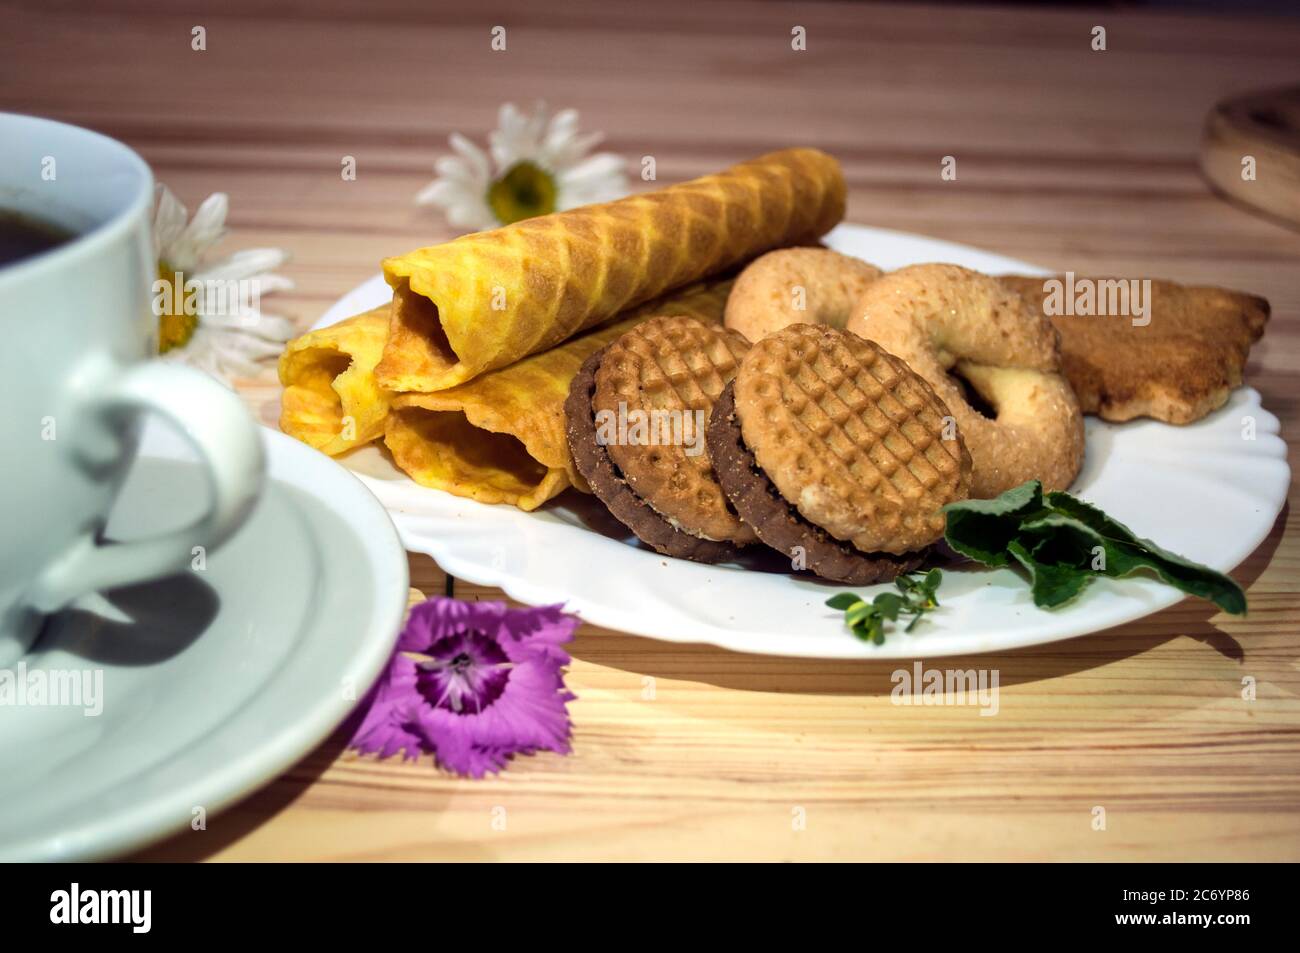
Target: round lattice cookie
{"x":849,"y":435}
{"x":654,"y":390}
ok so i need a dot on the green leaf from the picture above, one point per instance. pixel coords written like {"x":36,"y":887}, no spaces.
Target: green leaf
{"x":867,"y":620}
{"x":1086,"y":513}
{"x":1053,"y":584}
{"x":1057,"y":540}
{"x":1126,"y":554}
{"x":859,"y":612}
{"x":871,"y":630}
{"x":1016,"y":501}
{"x":981,"y":529}
{"x":889,"y":604}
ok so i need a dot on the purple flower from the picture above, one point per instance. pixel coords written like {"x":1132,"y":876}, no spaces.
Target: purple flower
{"x":471,"y":683}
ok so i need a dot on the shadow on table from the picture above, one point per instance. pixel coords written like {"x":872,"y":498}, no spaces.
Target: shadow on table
{"x":715,"y":666}
{"x":725,"y":669}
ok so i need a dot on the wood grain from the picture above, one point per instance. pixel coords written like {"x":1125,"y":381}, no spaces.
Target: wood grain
{"x":1258,"y":128}
{"x":1070,"y":158}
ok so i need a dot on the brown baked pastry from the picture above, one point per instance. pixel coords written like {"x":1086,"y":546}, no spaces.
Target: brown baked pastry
{"x":835,"y":452}
{"x":797,"y":286}
{"x":949,"y":322}
{"x":636,"y":419}
{"x":666,"y":374}
{"x":1179,"y":366}
{"x":778,"y":521}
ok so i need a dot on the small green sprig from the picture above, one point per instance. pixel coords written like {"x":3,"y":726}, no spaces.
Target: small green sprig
{"x":866,"y":620}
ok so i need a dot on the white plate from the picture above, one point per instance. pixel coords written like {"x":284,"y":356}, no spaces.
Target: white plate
{"x":1201,"y":490}
{"x":224,"y":678}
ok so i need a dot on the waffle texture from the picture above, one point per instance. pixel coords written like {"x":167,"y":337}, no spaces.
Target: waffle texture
{"x":778,"y":523}
{"x":501,"y":437}
{"x":486,"y":300}
{"x":331,"y":399}
{"x":656,"y":385}
{"x":609,"y":486}
{"x":851,"y":437}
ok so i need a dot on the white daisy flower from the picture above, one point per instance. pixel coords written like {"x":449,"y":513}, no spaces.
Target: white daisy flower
{"x":537,"y":165}
{"x":209,"y":313}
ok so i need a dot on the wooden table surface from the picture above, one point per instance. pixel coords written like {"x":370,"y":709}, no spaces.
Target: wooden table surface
{"x":1068,"y":157}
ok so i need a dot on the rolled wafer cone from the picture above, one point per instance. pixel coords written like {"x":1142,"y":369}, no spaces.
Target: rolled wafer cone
{"x":486,"y":300}
{"x":331,"y":399}
{"x":500,"y":438}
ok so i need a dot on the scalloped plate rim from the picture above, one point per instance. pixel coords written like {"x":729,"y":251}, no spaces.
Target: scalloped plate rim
{"x":1105,"y":605}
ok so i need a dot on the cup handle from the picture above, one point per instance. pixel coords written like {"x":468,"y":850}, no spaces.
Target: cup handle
{"x":216,"y":423}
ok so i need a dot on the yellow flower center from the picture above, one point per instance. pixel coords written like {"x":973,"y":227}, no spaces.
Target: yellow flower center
{"x":175,"y":327}
{"x":524,"y":191}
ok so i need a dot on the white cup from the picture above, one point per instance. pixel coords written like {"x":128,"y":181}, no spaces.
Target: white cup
{"x":77,"y":334}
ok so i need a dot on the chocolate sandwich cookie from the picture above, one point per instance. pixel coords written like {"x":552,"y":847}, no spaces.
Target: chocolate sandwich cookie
{"x":636,"y":418}
{"x":837,"y":454}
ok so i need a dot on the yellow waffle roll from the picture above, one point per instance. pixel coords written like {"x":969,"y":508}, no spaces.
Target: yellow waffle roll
{"x":331,"y":399}
{"x":500,"y":438}
{"x":486,"y":300}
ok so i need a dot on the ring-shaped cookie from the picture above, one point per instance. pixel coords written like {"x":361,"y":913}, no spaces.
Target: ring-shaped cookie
{"x":797,"y":286}
{"x":945,"y":320}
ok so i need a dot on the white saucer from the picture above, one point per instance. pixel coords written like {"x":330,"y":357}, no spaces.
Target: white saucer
{"x":1210,"y":491}
{"x":227,"y":676}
